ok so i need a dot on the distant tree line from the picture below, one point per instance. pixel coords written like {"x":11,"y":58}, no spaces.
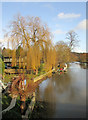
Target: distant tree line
{"x":81,"y":57}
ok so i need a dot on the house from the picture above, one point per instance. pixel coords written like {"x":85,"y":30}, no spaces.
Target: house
{"x":7,"y":61}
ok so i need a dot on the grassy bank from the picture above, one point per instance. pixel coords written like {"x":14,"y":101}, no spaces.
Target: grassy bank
{"x":8,"y":77}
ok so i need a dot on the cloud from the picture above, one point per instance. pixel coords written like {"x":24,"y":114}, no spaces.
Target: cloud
{"x":58,"y":31}
{"x":68,"y":15}
{"x":83,"y":25}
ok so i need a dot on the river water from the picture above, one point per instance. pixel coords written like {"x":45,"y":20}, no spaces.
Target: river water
{"x":64,"y":93}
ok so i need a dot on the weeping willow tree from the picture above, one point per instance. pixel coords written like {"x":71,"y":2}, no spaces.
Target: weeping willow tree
{"x":13,"y":42}
{"x":14,"y":58}
{"x":28,"y":58}
{"x":35,"y":39}
{"x":32,"y":59}
{"x":37,"y":57}
{"x":49,"y":57}
{"x":54,"y":55}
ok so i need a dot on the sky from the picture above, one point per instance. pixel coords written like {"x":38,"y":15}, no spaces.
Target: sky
{"x":61,"y":17}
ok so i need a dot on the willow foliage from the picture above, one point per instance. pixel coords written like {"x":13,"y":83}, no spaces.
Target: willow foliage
{"x":35,"y":41}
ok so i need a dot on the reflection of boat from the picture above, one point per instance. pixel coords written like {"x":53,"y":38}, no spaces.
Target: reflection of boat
{"x":84,"y":65}
{"x":64,"y":69}
{"x":61,"y":69}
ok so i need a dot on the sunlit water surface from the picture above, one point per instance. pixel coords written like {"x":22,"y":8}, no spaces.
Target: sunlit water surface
{"x":65,"y":93}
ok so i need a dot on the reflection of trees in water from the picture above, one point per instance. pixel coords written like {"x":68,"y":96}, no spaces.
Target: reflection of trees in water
{"x":49,"y":94}
{"x":62,"y":89}
{"x":84,"y":65}
{"x":72,"y":94}
{"x":48,"y":101}
{"x":60,"y":85}
{"x":50,"y":98}
{"x":65,"y":86}
{"x":37,"y":91}
{"x":62,"y":82}
{"x":42,"y":110}
{"x":57,"y":84}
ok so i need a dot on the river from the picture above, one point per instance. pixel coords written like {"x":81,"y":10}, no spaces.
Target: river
{"x":64,"y":93}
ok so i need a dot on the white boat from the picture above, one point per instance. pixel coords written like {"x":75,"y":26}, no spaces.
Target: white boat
{"x":65,"y":68}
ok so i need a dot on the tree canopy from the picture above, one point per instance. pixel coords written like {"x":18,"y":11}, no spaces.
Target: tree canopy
{"x":31,"y":42}
{"x":63,"y":52}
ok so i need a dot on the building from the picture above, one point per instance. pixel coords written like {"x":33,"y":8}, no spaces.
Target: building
{"x":8,"y":62}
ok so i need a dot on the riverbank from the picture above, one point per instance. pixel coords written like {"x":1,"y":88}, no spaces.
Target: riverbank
{"x":36,"y":81}
{"x":44,"y":75}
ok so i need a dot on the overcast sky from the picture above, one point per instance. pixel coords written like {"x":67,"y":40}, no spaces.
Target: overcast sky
{"x":59,"y":16}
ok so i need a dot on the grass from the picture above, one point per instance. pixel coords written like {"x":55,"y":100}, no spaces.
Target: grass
{"x":8,"y":77}
{"x":41,"y":70}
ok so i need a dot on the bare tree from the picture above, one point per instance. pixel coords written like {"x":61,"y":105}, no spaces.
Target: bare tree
{"x":73,"y":39}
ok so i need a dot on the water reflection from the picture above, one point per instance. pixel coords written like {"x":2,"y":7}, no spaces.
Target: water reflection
{"x":62,"y":82}
{"x":84,"y":65}
{"x":65,"y":93}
